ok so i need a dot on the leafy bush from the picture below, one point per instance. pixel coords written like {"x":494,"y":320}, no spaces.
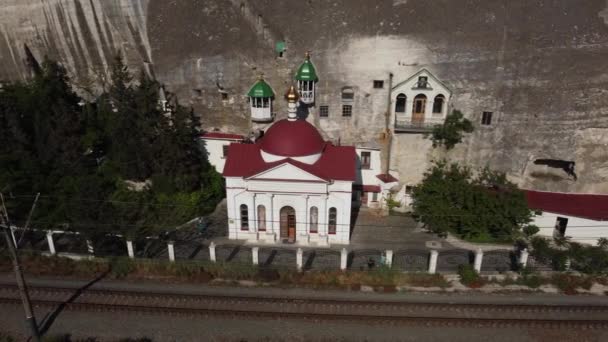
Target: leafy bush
{"x":451,"y":131}
{"x":121,"y":267}
{"x":530,"y":230}
{"x":484,"y":207}
{"x":469,"y":276}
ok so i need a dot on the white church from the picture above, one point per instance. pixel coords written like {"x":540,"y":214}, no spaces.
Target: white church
{"x":290,"y":186}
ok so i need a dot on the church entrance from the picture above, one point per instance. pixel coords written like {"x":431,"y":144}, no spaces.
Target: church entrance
{"x":288,"y":224}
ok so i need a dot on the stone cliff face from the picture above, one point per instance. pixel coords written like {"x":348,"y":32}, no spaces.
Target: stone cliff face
{"x":540,"y":67}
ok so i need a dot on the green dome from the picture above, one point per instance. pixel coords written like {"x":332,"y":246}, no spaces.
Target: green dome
{"x":260,"y":89}
{"x":307,"y":71}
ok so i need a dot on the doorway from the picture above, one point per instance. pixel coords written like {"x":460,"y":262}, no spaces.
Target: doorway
{"x":288,"y":225}
{"x":560,"y":227}
{"x":418,"y":109}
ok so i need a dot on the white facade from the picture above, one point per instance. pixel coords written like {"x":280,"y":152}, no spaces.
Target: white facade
{"x":215,"y":147}
{"x":404,"y":95}
{"x":284,"y":187}
{"x":576,"y":228}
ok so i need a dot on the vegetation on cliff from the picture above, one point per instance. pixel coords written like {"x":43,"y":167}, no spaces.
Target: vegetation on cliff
{"x":482,"y":206}
{"x":451,"y":132}
{"x":78,"y":155}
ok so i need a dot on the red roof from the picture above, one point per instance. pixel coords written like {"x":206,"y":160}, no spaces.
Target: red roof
{"x":594,"y":207}
{"x":222,"y":136}
{"x":386,"y":178}
{"x":292,"y":139}
{"x":367,"y":188}
{"x":335,"y":163}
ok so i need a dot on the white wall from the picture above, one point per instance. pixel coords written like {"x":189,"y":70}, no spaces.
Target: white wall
{"x":579,"y":229}
{"x":407,"y":88}
{"x":368,"y":176}
{"x":239,"y":192}
{"x":215,"y":152}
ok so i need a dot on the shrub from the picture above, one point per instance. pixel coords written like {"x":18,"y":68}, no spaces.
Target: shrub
{"x":530,"y":230}
{"x":451,"y":131}
{"x":121,"y":267}
{"x":469,"y":276}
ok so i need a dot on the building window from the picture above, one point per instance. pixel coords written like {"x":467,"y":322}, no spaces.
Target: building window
{"x":347,"y":110}
{"x":409,"y":189}
{"x":224,"y":96}
{"x":486,"y":118}
{"x":261,"y":218}
{"x":374,"y":197}
{"x":244,"y":217}
{"x":324,"y":111}
{"x":422,"y":82}
{"x":438,"y":104}
{"x":225,"y":151}
{"x":560,"y":227}
{"x":378,"y":84}
{"x":314,"y":219}
{"x":332,"y":223}
{"x":260,"y":102}
{"x":400,"y":103}
{"x":348,"y":94}
{"x":366,"y":160}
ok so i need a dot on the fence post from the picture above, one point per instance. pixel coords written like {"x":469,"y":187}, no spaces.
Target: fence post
{"x":343,"y":259}
{"x":433,"y":261}
{"x":255,"y":255}
{"x":299,"y":259}
{"x":51,"y":243}
{"x":478,"y":260}
{"x":523,"y":257}
{"x":212,"y":251}
{"x":90,"y":248}
{"x":130,"y":249}
{"x":389,"y":258}
{"x":171,"y":251}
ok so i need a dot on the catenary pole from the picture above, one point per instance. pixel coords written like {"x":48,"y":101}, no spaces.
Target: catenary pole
{"x":30,"y":319}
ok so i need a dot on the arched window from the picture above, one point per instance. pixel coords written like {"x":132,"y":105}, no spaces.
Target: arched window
{"x":261,"y":218}
{"x":314,"y":219}
{"x":332,"y":222}
{"x":400,"y":103}
{"x":348,"y":94}
{"x":438,"y":104}
{"x":244,"y":217}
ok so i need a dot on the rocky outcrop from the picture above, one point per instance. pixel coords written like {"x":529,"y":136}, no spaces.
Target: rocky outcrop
{"x":540,"y":67}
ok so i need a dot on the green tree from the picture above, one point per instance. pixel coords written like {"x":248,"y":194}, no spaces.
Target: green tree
{"x":480,"y":207}
{"x":451,"y":131}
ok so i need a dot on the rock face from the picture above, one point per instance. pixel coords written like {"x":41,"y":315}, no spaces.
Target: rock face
{"x":540,"y":67}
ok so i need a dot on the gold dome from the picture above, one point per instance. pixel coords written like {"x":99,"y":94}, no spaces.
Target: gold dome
{"x":292,"y":95}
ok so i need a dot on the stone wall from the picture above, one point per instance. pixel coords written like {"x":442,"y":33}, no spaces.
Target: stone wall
{"x":540,"y":67}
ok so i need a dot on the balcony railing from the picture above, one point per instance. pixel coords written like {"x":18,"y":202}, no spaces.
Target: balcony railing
{"x":406,"y":124}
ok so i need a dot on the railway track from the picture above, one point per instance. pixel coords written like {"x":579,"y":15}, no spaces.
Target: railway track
{"x":384,"y":312}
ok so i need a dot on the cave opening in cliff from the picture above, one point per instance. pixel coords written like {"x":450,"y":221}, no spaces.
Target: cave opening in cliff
{"x":565,"y":165}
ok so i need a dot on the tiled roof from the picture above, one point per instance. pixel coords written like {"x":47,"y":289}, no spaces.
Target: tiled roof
{"x":221,"y":136}
{"x":589,"y":206}
{"x":386,"y":178}
{"x":335,"y":163}
{"x":367,"y":188}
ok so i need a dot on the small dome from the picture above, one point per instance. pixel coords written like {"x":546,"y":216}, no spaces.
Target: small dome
{"x":292,"y":139}
{"x":307,"y":71}
{"x":261,"y":89}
